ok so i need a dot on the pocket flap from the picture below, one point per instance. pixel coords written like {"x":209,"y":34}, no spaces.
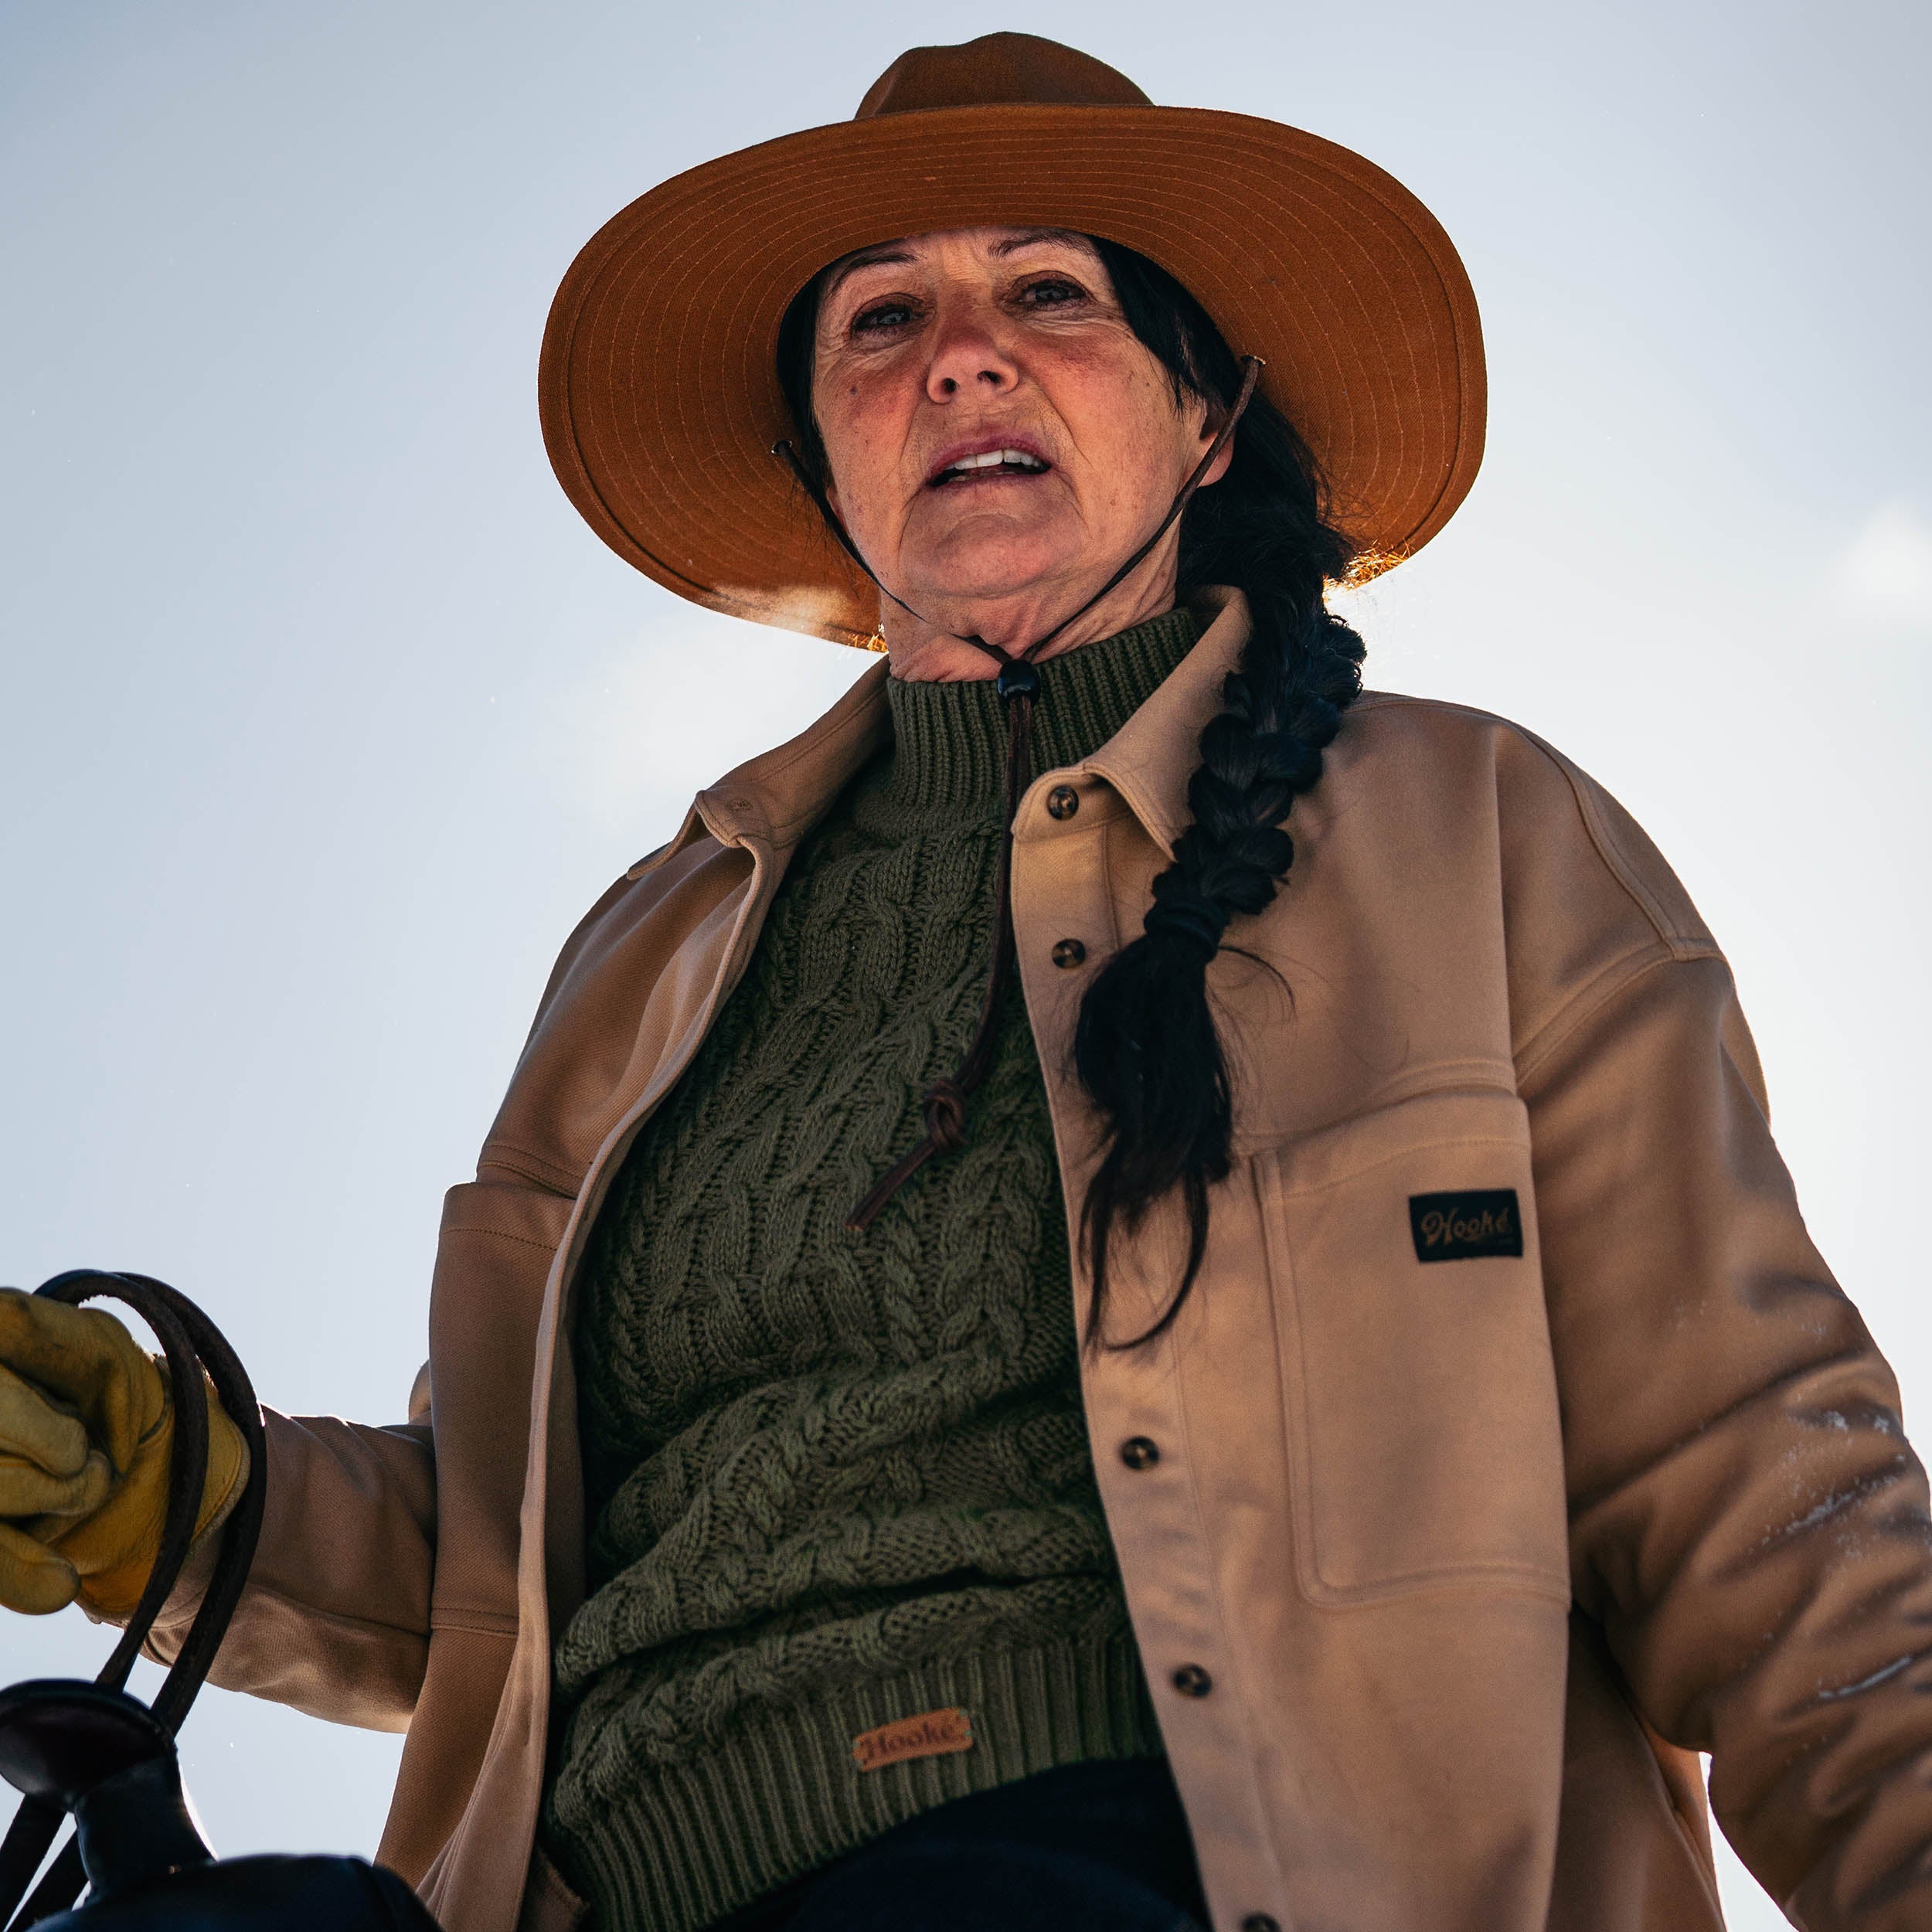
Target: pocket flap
{"x":1417,"y":1372}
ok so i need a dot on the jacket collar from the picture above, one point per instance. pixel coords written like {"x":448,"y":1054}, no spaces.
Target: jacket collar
{"x":773,"y":800}
{"x":1149,"y":760}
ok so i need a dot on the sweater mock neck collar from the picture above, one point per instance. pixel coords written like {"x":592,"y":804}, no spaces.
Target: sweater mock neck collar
{"x":949,"y":740}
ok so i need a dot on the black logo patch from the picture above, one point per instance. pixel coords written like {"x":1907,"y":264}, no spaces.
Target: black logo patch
{"x":1464,"y":1227}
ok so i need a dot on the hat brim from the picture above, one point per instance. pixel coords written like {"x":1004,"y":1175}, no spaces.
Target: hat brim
{"x":658,"y":388}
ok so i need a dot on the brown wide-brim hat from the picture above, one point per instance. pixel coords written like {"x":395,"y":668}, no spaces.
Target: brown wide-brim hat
{"x":658,"y":386}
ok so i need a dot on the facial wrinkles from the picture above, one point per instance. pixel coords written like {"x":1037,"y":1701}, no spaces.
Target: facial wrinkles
{"x":966,"y":341}
{"x":960,"y":413}
{"x":964,"y":331}
{"x":1073,"y":385}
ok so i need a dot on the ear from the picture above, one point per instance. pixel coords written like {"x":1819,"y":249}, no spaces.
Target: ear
{"x":1211,"y":422}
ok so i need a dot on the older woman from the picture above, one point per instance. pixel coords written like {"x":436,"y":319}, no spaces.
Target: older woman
{"x":1000,"y":1368}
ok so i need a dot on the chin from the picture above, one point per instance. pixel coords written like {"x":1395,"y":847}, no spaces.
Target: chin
{"x":975,"y":566}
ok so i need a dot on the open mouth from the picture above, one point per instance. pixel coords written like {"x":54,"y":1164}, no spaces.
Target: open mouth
{"x":987,"y":464}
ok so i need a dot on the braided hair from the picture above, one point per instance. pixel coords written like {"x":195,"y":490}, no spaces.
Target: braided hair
{"x":1146,"y":1047}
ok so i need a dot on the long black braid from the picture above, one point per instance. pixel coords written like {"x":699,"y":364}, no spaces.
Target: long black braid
{"x":1146,"y":1048}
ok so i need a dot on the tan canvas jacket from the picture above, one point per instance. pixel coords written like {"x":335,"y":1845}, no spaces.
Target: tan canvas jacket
{"x":1460,"y":1544}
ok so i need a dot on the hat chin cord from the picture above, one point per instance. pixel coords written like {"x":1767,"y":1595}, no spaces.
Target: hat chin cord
{"x":944,"y":1103}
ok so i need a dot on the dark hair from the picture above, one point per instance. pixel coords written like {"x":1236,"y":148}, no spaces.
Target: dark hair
{"x":1146,"y":1048}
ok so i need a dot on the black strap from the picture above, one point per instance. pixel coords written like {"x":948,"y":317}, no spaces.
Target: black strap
{"x":191,"y":1343}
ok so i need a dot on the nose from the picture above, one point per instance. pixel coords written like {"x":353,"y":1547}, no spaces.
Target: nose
{"x":968,"y":356}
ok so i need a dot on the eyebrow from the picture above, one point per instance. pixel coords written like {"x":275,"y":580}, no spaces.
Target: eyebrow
{"x":1034,"y":236}
{"x":884,"y":255}
{"x":896,"y":253}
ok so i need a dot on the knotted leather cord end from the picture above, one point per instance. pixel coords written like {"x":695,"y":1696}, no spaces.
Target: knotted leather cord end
{"x":888,"y":1184}
{"x":945,"y":1106}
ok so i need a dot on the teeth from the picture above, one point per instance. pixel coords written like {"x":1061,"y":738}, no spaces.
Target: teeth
{"x":992,"y":459}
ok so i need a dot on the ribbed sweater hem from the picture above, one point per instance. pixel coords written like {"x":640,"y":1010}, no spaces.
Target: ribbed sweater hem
{"x":779,"y":1794}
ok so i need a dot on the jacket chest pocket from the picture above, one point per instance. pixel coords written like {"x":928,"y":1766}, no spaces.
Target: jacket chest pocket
{"x":1415,"y":1368}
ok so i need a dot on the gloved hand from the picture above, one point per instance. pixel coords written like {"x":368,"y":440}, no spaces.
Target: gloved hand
{"x":87,"y":1433}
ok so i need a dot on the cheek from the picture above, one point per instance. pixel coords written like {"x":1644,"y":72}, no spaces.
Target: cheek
{"x":863,"y":422}
{"x":1124,"y":424}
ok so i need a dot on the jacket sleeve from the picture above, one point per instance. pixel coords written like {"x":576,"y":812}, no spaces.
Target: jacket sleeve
{"x":335,"y":1620}
{"x":1749,"y":1526}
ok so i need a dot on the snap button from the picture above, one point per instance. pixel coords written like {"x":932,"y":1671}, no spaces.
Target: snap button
{"x":1069,"y":952}
{"x":1063,"y":801}
{"x":1261,"y":1922}
{"x":1140,"y":1452}
{"x":1191,"y":1680}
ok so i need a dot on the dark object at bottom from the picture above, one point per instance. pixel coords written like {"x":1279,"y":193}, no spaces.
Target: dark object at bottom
{"x":1099,"y":1847}
{"x":92,"y":1750}
{"x":274,"y":1892}
{"x":109,"y":1760}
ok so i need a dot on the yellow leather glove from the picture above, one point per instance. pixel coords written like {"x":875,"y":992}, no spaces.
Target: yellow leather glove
{"x":87,"y":1433}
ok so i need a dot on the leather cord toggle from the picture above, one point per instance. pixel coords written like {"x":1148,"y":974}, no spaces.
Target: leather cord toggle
{"x":1018,"y":680}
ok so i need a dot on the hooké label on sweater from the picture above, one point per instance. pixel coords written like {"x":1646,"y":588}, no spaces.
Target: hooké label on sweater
{"x":927,"y":1735}
{"x":1465,"y":1227}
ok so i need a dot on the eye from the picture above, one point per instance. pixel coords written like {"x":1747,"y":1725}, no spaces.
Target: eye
{"x":881,"y":316}
{"x":1052,"y":291}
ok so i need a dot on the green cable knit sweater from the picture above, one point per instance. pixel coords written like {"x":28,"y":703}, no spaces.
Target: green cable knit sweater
{"x":837,"y":1481}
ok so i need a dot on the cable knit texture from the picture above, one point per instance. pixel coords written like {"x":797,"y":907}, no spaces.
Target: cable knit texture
{"x":834,"y":1480}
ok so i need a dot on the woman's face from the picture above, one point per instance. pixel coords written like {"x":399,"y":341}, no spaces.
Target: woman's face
{"x":1000,"y":441}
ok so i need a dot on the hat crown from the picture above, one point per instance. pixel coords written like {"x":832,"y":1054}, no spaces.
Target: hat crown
{"x":997,"y":69}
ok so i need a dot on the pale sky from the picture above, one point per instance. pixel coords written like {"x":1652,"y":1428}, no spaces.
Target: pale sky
{"x":325,"y":717}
